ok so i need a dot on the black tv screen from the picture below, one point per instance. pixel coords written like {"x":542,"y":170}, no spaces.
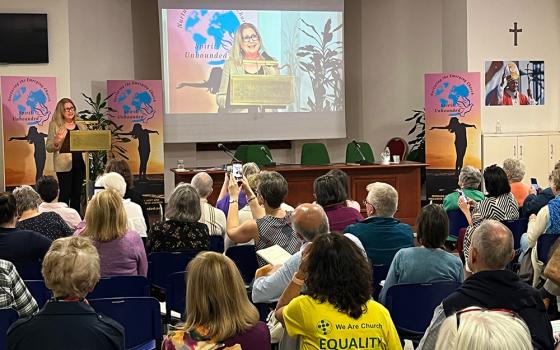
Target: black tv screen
{"x":23,"y":38}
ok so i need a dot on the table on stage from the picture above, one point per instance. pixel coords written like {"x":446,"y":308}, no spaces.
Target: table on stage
{"x":404,"y":177}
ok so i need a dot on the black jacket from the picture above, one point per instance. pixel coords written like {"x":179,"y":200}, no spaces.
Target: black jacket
{"x":534,"y":203}
{"x":502,"y":289}
{"x":66,"y":325}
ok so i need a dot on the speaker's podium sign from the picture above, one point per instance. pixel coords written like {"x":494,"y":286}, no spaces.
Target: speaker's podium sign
{"x":272,"y":91}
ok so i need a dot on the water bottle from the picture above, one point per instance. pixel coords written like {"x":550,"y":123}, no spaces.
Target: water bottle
{"x":386,"y":156}
{"x":180,"y":164}
{"x":498,"y":127}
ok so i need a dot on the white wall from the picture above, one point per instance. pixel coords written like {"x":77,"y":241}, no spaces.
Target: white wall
{"x":489,"y":39}
{"x":59,"y":51}
{"x":101,"y":45}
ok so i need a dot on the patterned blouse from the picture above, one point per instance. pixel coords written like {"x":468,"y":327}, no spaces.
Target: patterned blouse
{"x":273,"y":230}
{"x":503,"y":207}
{"x":176,"y":236}
{"x":49,"y":224}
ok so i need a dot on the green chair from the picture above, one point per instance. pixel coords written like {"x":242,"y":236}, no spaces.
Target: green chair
{"x":241,"y":153}
{"x":353,"y":156}
{"x":256,"y":155}
{"x":314,"y":154}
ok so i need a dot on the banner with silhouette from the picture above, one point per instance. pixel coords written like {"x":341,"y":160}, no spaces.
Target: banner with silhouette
{"x":138,"y":115}
{"x":28,"y":104}
{"x":453,"y":137}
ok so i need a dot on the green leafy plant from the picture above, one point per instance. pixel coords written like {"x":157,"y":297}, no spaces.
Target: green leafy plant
{"x":99,"y":112}
{"x":418,"y":144}
{"x":324,"y":66}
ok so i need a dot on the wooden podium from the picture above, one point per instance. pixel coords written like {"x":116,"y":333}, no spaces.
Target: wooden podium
{"x":89,"y":141}
{"x":271,"y":91}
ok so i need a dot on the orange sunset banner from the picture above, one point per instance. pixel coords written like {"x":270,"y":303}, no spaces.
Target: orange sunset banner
{"x":453,"y":136}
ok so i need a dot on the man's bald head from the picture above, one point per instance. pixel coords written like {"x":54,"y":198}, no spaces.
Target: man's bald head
{"x":203,"y":184}
{"x":310,"y":220}
{"x":492,"y":243}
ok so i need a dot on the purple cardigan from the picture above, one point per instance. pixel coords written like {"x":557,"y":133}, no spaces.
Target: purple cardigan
{"x":125,"y":256}
{"x":341,"y":216}
{"x":223,"y":204}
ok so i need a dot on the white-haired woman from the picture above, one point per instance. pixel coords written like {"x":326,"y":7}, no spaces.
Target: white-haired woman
{"x":469,"y":183}
{"x":515,"y":171}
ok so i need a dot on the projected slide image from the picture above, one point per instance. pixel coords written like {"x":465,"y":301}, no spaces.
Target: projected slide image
{"x":236,"y":61}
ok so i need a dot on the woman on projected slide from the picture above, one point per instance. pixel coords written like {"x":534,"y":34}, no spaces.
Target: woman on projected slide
{"x":247,"y":56}
{"x":460,"y":131}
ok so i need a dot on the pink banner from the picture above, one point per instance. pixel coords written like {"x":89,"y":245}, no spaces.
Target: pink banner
{"x":28,"y":104}
{"x":139,"y":116}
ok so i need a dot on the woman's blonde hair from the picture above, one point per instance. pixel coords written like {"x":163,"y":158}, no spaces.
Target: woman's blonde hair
{"x":105,"y":217}
{"x":58,"y":116}
{"x":223,"y":312}
{"x":484,"y":330}
{"x":71,"y":267}
{"x":236,"y":52}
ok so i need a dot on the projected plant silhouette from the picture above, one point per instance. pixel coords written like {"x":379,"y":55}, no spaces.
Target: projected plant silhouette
{"x":324,"y":65}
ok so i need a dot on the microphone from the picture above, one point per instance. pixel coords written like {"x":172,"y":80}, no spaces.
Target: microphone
{"x":359,"y":149}
{"x":271,"y":162}
{"x":227,"y":151}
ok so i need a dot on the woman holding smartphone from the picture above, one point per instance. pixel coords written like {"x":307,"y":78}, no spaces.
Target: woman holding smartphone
{"x":69,"y":166}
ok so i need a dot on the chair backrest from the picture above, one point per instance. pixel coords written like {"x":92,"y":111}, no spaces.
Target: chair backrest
{"x":29,"y":270}
{"x":245,"y":258}
{"x":457,"y":221}
{"x":162,"y":264}
{"x":39,"y":291}
{"x":380,"y":272}
{"x":175,"y":293}
{"x":544,"y":243}
{"x":314,"y":154}
{"x":517,"y":228}
{"x":412,"y":305}
{"x":398,"y":146}
{"x":217,"y":243}
{"x":121,"y":286}
{"x":256,"y":155}
{"x":140,"y":317}
{"x":241,"y":153}
{"x":353,"y":156}
{"x":7,"y":317}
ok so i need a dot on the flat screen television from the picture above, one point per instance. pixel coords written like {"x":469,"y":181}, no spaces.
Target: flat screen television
{"x":23,"y":38}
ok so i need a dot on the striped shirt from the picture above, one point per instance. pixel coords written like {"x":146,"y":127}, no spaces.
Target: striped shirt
{"x":273,"y":230}
{"x":14,"y":292}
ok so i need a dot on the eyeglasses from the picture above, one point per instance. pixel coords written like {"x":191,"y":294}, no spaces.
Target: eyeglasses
{"x":249,"y":38}
{"x":365,"y":202}
{"x":70,"y":109}
{"x":477,"y":308}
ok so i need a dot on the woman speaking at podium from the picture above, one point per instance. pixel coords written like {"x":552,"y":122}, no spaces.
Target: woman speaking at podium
{"x":247,"y":56}
{"x":69,"y":166}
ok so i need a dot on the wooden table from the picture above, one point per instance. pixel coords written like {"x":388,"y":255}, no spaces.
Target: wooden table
{"x":404,"y":177}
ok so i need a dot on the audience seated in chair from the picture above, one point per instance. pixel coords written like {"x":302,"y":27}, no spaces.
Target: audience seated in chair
{"x":71,"y":270}
{"x":49,"y":224}
{"x":430,"y":262}
{"x":121,"y":167}
{"x":271,"y":224}
{"x":475,"y":328}
{"x":121,"y":250}
{"x":218,"y":309}
{"x":498,"y":205}
{"x":224,"y":198}
{"x":134,"y":217}
{"x":331,"y":195}
{"x":47,"y":187}
{"x":212,"y":217}
{"x":343,"y":178}
{"x":493,"y":287}
{"x":381,"y":234}
{"x":469,"y":182}
{"x":18,"y":246}
{"x":515,"y":171}
{"x":15,"y":294}
{"x":182,"y":230}
{"x":339,"y":284}
{"x":538,"y":199}
{"x":308,"y":221}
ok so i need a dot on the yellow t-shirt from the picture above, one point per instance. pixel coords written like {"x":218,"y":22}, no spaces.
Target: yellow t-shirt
{"x":321,"y":326}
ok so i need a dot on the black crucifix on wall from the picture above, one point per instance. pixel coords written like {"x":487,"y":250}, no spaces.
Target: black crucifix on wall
{"x":515,"y":31}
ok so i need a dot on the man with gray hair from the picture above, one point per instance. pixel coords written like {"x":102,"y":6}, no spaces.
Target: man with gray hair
{"x":214,"y":218}
{"x":493,"y":287}
{"x":381,"y":234}
{"x":308,"y":221}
